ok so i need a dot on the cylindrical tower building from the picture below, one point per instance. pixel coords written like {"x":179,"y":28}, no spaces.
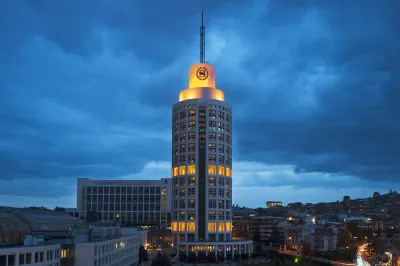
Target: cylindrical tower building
{"x":202,"y":168}
{"x":202,"y":160}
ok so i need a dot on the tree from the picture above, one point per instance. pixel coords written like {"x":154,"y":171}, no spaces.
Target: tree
{"x":257,"y":239}
{"x":59,"y":209}
{"x":320,"y":207}
{"x":161,"y":260}
{"x":352,"y":228}
{"x":346,"y":198}
{"x":376,"y":195}
{"x":344,"y":238}
{"x":143,"y":255}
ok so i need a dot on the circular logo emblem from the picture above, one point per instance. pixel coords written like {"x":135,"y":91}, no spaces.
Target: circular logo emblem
{"x":202,"y":73}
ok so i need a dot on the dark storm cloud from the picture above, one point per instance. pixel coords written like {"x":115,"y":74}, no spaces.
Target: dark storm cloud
{"x":87,"y":86}
{"x":353,"y":129}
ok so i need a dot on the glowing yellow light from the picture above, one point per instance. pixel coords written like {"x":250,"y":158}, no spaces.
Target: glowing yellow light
{"x":201,"y":84}
{"x":212,"y":170}
{"x":212,"y":226}
{"x":221,"y":227}
{"x":175,"y":171}
{"x":182,"y":170}
{"x":191,"y":169}
{"x":175,"y":226}
{"x":228,"y":226}
{"x":202,"y":76}
{"x":182,"y":226}
{"x":221,"y":170}
{"x":228,"y":172}
{"x":191,"y":226}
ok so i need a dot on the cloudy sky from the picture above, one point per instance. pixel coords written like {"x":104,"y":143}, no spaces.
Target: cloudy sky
{"x":87,"y":88}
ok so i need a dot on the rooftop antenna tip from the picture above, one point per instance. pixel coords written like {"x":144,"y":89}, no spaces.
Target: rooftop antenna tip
{"x":202,"y":39}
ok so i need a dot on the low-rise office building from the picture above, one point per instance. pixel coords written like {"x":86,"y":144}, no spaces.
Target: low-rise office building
{"x":42,"y":255}
{"x":129,"y":202}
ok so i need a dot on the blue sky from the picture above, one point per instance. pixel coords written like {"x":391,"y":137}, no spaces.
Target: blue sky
{"x":87,"y":88}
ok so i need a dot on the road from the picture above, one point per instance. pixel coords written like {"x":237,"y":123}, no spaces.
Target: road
{"x":318,"y":259}
{"x":362,"y":259}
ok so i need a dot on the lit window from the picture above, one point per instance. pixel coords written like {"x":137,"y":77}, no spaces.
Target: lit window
{"x":212,"y":215}
{"x":192,"y":181}
{"x":182,"y":226}
{"x":212,"y":170}
{"x":221,"y":170}
{"x":191,"y":215}
{"x":212,"y":181}
{"x":192,"y":204}
{"x":228,"y":226}
{"x":191,"y":169}
{"x":175,"y":226}
{"x":228,"y":172}
{"x":212,"y":226}
{"x":191,"y":226}
{"x":175,"y":172}
{"x":221,"y":227}
{"x":182,"y":170}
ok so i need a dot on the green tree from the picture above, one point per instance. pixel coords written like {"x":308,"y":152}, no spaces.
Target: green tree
{"x":257,"y":239}
{"x":320,"y":207}
{"x":352,"y":228}
{"x":344,"y":238}
{"x":143,"y":255}
{"x":161,"y":260}
{"x":59,"y":209}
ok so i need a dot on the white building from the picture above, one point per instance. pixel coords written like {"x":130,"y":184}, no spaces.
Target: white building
{"x":46,"y":255}
{"x":137,"y":202}
{"x":123,"y":251}
{"x":202,"y":168}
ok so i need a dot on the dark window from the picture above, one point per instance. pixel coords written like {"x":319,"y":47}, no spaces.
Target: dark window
{"x":11,"y":260}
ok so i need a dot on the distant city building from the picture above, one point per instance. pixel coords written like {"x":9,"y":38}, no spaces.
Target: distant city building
{"x":324,"y":239}
{"x":273,"y":204}
{"x":130,"y":202}
{"x":202,"y":169}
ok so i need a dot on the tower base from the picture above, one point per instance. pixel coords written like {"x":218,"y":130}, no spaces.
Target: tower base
{"x":227,"y":250}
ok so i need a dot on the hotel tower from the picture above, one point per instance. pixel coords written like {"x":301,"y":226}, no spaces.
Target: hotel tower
{"x":202,"y":167}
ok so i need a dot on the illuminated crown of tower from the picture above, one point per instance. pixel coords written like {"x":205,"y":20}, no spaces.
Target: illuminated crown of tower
{"x":202,"y":75}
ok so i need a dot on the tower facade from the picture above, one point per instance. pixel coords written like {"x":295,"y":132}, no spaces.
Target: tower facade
{"x":202,"y":160}
{"x":202,"y":167}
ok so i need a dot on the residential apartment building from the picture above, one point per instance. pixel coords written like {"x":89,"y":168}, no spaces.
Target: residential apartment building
{"x":134,"y":202}
{"x":297,"y":234}
{"x":386,"y":240}
{"x":324,"y":239}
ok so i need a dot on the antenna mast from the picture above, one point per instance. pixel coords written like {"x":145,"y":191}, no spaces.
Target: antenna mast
{"x":202,"y":40}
